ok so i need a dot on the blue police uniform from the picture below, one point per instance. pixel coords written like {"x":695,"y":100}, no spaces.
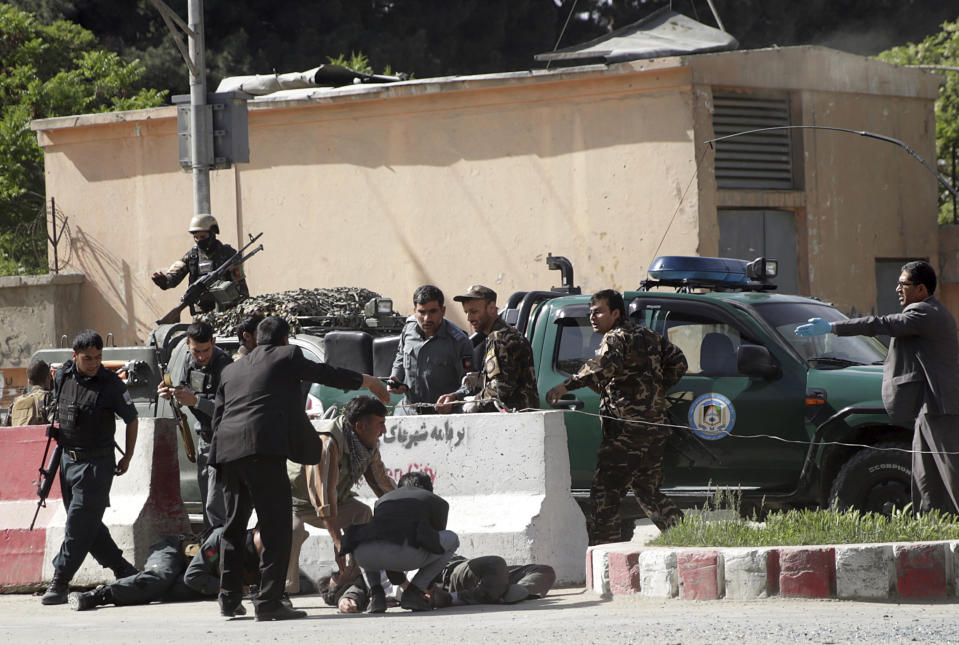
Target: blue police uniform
{"x":86,"y":406}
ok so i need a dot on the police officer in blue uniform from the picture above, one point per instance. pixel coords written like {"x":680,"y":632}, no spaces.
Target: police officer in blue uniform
{"x":197,"y":389}
{"x":88,"y":397}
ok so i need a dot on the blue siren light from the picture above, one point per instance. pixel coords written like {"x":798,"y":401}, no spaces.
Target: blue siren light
{"x":681,"y":267}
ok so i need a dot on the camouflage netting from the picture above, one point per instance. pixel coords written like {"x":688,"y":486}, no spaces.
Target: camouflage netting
{"x":334,"y":307}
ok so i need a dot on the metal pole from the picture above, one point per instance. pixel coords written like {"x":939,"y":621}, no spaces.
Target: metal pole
{"x":719,"y":21}
{"x":199,"y":130}
{"x":53,"y":218}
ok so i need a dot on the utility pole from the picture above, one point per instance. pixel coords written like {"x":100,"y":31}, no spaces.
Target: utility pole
{"x":199,"y":125}
{"x":201,"y":115}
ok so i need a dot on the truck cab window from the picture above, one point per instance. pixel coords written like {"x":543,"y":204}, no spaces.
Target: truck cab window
{"x":577,"y":344}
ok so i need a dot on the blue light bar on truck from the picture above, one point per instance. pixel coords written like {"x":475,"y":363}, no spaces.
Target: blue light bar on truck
{"x":672,"y":268}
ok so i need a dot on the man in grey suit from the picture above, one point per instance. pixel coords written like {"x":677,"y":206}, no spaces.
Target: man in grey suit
{"x":259,"y":421}
{"x":920,"y":382}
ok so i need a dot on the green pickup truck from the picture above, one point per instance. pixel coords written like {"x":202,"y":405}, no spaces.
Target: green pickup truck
{"x":783,"y":419}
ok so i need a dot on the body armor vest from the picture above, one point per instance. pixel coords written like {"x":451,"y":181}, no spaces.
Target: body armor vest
{"x":82,"y":424}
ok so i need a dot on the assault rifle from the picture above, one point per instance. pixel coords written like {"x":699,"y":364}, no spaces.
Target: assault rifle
{"x":181,"y":422}
{"x":203,"y":284}
{"x":48,"y":474}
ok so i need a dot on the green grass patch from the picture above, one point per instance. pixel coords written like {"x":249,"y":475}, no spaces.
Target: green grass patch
{"x":808,"y":526}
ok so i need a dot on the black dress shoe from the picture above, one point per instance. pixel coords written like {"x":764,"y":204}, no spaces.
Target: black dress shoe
{"x":377,"y":600}
{"x":281,"y":612}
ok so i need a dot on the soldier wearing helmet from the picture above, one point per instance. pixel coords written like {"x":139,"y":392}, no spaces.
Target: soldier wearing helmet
{"x":206,"y":255}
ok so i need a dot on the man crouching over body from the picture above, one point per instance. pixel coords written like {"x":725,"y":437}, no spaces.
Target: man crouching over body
{"x":323,"y":494}
{"x":407,"y":532}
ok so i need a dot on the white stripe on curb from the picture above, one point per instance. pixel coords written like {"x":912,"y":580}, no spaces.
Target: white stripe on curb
{"x":865,"y":571}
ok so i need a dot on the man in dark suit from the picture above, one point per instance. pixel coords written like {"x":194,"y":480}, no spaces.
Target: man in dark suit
{"x":259,"y":421}
{"x":408,"y":531}
{"x":920,"y":382}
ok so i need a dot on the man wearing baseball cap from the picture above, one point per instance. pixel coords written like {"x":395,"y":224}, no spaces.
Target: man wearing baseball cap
{"x":506,"y":377}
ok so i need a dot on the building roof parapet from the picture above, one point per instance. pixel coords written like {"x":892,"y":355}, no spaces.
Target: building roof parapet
{"x":805,"y":67}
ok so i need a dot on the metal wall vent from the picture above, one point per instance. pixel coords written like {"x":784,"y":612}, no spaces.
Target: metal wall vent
{"x":762,"y":160}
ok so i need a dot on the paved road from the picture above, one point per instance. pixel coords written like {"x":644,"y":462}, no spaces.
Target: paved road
{"x":567,"y":616}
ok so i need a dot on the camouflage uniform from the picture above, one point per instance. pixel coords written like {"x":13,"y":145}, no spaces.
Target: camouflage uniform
{"x":196,"y":264}
{"x":508,"y":375}
{"x":32,"y":408}
{"x":632,"y":371}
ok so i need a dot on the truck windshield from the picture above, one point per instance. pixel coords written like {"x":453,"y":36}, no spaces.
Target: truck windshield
{"x":827,"y":351}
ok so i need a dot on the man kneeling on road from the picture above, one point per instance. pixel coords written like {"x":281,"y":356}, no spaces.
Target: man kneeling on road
{"x":408,"y":531}
{"x":323,"y":494}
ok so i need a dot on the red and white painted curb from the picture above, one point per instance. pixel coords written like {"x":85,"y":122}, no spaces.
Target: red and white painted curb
{"x":900,"y":571}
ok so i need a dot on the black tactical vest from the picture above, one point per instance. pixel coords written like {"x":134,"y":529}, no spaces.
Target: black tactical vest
{"x":82,"y":424}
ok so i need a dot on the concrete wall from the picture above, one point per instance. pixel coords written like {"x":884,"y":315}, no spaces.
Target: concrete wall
{"x":462,"y":180}
{"x":948,"y":289}
{"x":35,"y":311}
{"x":452,"y":183}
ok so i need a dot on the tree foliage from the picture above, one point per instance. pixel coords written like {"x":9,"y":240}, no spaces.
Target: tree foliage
{"x":53,"y":67}
{"x":942,"y":50}
{"x":444,"y":37}
{"x":47,"y":71}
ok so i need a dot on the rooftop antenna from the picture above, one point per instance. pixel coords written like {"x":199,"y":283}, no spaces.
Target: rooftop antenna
{"x":719,"y":21}
{"x":565,"y":25}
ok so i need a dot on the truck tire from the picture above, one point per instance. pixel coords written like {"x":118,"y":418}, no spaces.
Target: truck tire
{"x":874,"y":480}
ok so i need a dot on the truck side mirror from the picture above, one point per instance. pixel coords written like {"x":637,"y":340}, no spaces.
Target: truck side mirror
{"x":755,"y":360}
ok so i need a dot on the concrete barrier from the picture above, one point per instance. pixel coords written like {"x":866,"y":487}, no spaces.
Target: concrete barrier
{"x":145,"y":502}
{"x":506,"y":478}
{"x":22,"y":550}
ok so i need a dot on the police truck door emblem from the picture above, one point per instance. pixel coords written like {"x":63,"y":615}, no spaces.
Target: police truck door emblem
{"x":712,"y":416}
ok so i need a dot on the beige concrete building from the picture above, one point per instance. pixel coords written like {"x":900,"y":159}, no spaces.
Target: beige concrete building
{"x":454,"y":181}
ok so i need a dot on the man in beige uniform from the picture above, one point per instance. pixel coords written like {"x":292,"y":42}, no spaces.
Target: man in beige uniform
{"x":34,"y":407}
{"x":323,"y":494}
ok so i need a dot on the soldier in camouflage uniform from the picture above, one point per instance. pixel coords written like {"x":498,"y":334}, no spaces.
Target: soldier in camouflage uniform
{"x":632,"y":371}
{"x":506,"y":375}
{"x":206,"y":255}
{"x":34,"y":407}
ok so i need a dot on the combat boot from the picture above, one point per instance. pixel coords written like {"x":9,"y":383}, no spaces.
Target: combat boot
{"x":56,"y":593}
{"x":90,"y":599}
